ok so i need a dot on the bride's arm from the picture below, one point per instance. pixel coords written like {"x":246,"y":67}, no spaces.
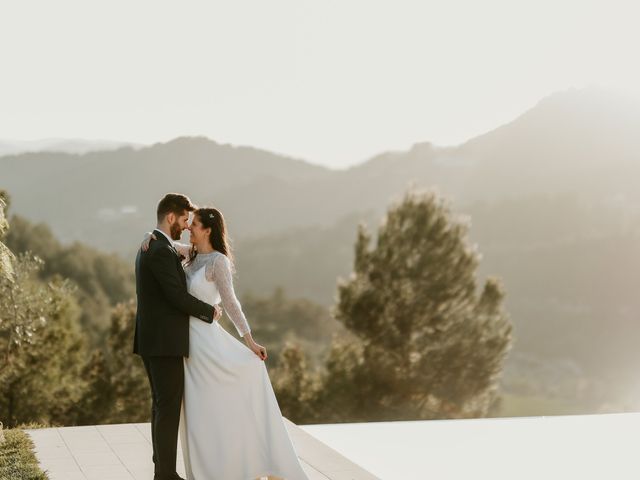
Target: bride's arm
{"x":183,"y":249}
{"x":146,"y":241}
{"x":221,"y":276}
{"x":223,"y":279}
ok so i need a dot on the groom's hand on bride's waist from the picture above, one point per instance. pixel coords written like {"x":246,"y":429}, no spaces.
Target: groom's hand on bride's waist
{"x":217,"y":312}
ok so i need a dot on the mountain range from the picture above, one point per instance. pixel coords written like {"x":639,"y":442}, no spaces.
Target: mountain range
{"x":552,"y":197}
{"x":577,"y":142}
{"x":63,"y":145}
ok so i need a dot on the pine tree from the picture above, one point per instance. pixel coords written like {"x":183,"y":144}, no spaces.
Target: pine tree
{"x":426,"y":343}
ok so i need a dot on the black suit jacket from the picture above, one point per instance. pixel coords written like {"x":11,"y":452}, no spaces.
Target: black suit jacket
{"x":164,"y":305}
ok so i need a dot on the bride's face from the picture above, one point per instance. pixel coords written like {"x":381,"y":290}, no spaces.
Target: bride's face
{"x":199,"y":234}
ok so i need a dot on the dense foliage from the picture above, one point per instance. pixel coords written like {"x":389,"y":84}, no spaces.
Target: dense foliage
{"x":102,"y":280}
{"x":415,"y":336}
{"x":41,"y":346}
{"x":423,"y":341}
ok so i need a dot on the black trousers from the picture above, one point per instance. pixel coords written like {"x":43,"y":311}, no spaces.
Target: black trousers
{"x":166,"y":377}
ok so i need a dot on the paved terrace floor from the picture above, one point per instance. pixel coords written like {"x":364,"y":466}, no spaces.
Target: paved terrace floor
{"x":123,"y":452}
{"x":573,"y":447}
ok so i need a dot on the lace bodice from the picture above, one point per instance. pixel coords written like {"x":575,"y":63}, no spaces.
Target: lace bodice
{"x":218,"y":271}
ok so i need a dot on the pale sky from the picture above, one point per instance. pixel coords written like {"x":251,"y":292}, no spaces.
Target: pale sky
{"x":332,"y":82}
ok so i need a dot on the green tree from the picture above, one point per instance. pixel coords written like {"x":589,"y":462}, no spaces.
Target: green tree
{"x":278,"y":319}
{"x":103,"y":280}
{"x":6,"y":269}
{"x":294,"y":385}
{"x":96,"y":404}
{"x":128,"y":376}
{"x":44,"y":374}
{"x":118,"y":389}
{"x":41,"y":347}
{"x":425,"y":343}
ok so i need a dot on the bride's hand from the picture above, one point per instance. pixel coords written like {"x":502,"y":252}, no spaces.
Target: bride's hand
{"x":258,"y":349}
{"x":147,"y":241}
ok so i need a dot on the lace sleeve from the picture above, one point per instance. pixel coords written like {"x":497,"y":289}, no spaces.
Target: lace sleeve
{"x":182,"y":248}
{"x":219,"y":272}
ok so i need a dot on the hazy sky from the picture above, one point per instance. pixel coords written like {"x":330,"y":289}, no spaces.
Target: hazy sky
{"x":332,"y":82}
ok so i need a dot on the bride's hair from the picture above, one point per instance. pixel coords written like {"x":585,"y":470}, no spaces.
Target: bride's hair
{"x":212,"y":218}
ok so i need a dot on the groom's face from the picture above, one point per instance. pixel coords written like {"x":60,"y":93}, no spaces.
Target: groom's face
{"x":179,"y":223}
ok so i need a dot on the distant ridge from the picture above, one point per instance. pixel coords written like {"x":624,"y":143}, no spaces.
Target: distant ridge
{"x":61,"y":145}
{"x":584,"y":141}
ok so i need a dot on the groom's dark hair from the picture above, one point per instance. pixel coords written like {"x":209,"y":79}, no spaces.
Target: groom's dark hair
{"x":174,"y":203}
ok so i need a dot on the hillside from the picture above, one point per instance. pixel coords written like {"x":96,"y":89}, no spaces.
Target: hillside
{"x":577,"y":142}
{"x":552,"y":198}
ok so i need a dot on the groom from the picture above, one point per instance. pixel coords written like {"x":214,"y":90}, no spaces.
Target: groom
{"x":162,"y":328}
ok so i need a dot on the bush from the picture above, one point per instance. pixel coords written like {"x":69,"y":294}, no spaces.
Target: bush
{"x":17,"y":458}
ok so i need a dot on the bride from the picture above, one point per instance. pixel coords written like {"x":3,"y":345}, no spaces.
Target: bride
{"x":231,"y":427}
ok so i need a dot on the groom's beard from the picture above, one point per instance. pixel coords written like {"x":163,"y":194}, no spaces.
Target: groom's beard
{"x":175,"y":230}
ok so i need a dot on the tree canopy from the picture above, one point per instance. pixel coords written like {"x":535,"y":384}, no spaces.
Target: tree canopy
{"x":428,"y":342}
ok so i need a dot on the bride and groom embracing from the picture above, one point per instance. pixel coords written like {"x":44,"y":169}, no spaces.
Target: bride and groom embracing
{"x":205,"y":384}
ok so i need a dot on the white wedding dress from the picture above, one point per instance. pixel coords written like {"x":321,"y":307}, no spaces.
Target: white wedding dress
{"x":231,"y":427}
